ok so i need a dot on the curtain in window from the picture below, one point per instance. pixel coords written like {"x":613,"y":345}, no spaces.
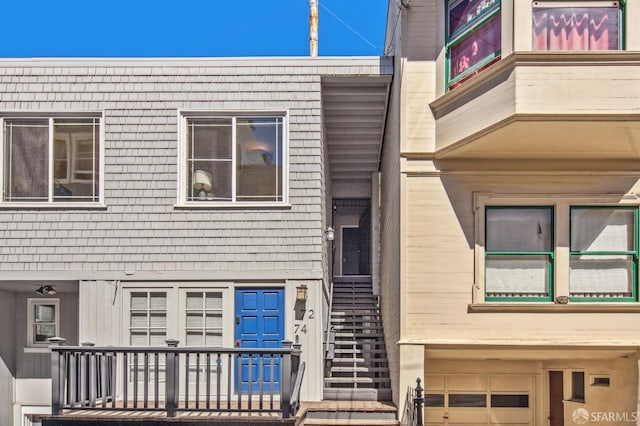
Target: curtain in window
{"x":595,"y":268}
{"x":481,"y":44}
{"x":26,"y":160}
{"x":575,"y":28}
{"x":517,"y":243}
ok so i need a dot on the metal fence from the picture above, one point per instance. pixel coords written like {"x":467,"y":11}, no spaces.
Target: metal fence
{"x":174,"y":379}
{"x":413,"y":405}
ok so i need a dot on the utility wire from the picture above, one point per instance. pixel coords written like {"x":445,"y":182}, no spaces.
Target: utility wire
{"x":347,"y":25}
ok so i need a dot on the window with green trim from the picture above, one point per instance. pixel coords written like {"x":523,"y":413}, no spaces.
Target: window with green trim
{"x":473,"y":38}
{"x":604,"y":253}
{"x":519,"y":252}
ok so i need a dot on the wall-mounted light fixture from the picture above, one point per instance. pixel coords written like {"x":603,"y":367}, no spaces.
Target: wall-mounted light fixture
{"x":46,"y":290}
{"x":330,"y":233}
{"x":301,"y":293}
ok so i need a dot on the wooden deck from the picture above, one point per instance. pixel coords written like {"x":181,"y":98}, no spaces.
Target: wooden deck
{"x":143,"y":417}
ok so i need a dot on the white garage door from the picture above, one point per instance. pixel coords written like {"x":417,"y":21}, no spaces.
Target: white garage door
{"x":476,"y":399}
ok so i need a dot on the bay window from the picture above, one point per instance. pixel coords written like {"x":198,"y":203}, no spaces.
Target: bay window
{"x":473,"y":37}
{"x":235,"y":159}
{"x":577,"y":25}
{"x":519,"y":253}
{"x":49,"y":160}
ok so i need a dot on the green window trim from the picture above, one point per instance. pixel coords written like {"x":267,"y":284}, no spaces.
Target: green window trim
{"x":549,"y":254}
{"x":464,"y":32}
{"x":634,"y":254}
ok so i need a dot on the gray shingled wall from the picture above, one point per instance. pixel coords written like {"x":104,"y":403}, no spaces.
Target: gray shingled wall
{"x":140,"y":229}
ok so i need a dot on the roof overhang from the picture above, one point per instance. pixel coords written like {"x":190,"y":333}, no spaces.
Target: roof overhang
{"x":354,"y":112}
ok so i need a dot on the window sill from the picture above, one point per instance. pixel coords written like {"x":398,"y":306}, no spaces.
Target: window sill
{"x":546,"y":307}
{"x":37,"y":350}
{"x":52,"y":206}
{"x":231,"y":206}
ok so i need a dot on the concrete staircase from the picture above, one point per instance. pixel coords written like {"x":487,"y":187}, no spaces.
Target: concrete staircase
{"x":357,"y":367}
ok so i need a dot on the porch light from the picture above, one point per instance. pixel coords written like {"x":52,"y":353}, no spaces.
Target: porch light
{"x":301,"y":293}
{"x":330,"y":234}
{"x":46,"y":290}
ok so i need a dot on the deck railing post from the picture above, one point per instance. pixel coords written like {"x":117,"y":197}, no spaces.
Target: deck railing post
{"x":417,"y":402}
{"x":171,"y":391}
{"x":57,"y":375}
{"x":90,"y":380}
{"x":285,"y":382}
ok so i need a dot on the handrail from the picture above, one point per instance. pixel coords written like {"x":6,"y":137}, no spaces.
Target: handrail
{"x":195,"y":379}
{"x":328,"y":329}
{"x":295,"y":394}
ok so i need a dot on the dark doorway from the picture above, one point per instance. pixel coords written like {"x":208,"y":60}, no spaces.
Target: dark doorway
{"x":556,"y":390}
{"x":352,"y":220}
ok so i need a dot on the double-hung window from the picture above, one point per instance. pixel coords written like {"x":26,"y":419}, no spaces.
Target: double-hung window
{"x":51,"y":160}
{"x":577,"y":25}
{"x":473,"y":37}
{"x":604,"y":253}
{"x":519,"y":253}
{"x":44,"y":321}
{"x":235,"y":159}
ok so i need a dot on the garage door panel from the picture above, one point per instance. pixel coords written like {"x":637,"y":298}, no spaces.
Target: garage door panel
{"x":434,"y":416}
{"x":467,"y":416}
{"x":467,"y":383}
{"x":512,"y":416}
{"x":433,"y":383}
{"x":511,"y":383}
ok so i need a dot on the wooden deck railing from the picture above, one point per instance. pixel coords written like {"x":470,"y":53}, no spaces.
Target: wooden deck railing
{"x":175,"y":379}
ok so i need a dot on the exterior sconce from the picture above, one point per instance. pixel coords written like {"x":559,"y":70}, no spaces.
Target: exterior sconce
{"x":46,"y":290}
{"x":562,"y":300}
{"x":330,"y":234}
{"x":301,"y":293}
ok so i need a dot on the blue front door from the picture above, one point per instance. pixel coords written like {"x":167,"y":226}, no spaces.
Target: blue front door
{"x":260,"y":324}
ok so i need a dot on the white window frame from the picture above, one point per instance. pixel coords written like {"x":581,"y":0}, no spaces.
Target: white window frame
{"x":184,"y":115}
{"x":51,"y":116}
{"x":562,"y":204}
{"x":31,"y":304}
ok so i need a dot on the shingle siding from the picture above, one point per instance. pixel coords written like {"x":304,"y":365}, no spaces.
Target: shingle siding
{"x":141,"y":229}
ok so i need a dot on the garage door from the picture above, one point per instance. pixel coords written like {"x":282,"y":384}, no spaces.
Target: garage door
{"x":477,"y":399}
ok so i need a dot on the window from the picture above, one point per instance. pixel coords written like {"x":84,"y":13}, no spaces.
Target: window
{"x":473,"y":37}
{"x":49,"y":160}
{"x":519,"y":253}
{"x":576,"y":25}
{"x":44,"y":321}
{"x":148,"y":318}
{"x":204,"y":318}
{"x":235,"y":159}
{"x":604,"y":253}
{"x":577,"y":386}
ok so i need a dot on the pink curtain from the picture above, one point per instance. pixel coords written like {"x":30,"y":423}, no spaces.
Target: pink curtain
{"x":575,"y":29}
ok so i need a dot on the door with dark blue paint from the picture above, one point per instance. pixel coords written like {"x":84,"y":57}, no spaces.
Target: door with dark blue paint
{"x":259,"y":324}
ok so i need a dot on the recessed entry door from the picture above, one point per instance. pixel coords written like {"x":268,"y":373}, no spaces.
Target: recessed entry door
{"x":259,"y":324}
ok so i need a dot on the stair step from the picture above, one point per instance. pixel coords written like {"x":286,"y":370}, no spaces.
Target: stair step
{"x":350,"y":422}
{"x":360,"y":380}
{"x":357,"y":394}
{"x":359,"y":335}
{"x":359,"y":369}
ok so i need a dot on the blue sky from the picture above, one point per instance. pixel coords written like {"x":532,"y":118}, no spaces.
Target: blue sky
{"x":117,"y":28}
